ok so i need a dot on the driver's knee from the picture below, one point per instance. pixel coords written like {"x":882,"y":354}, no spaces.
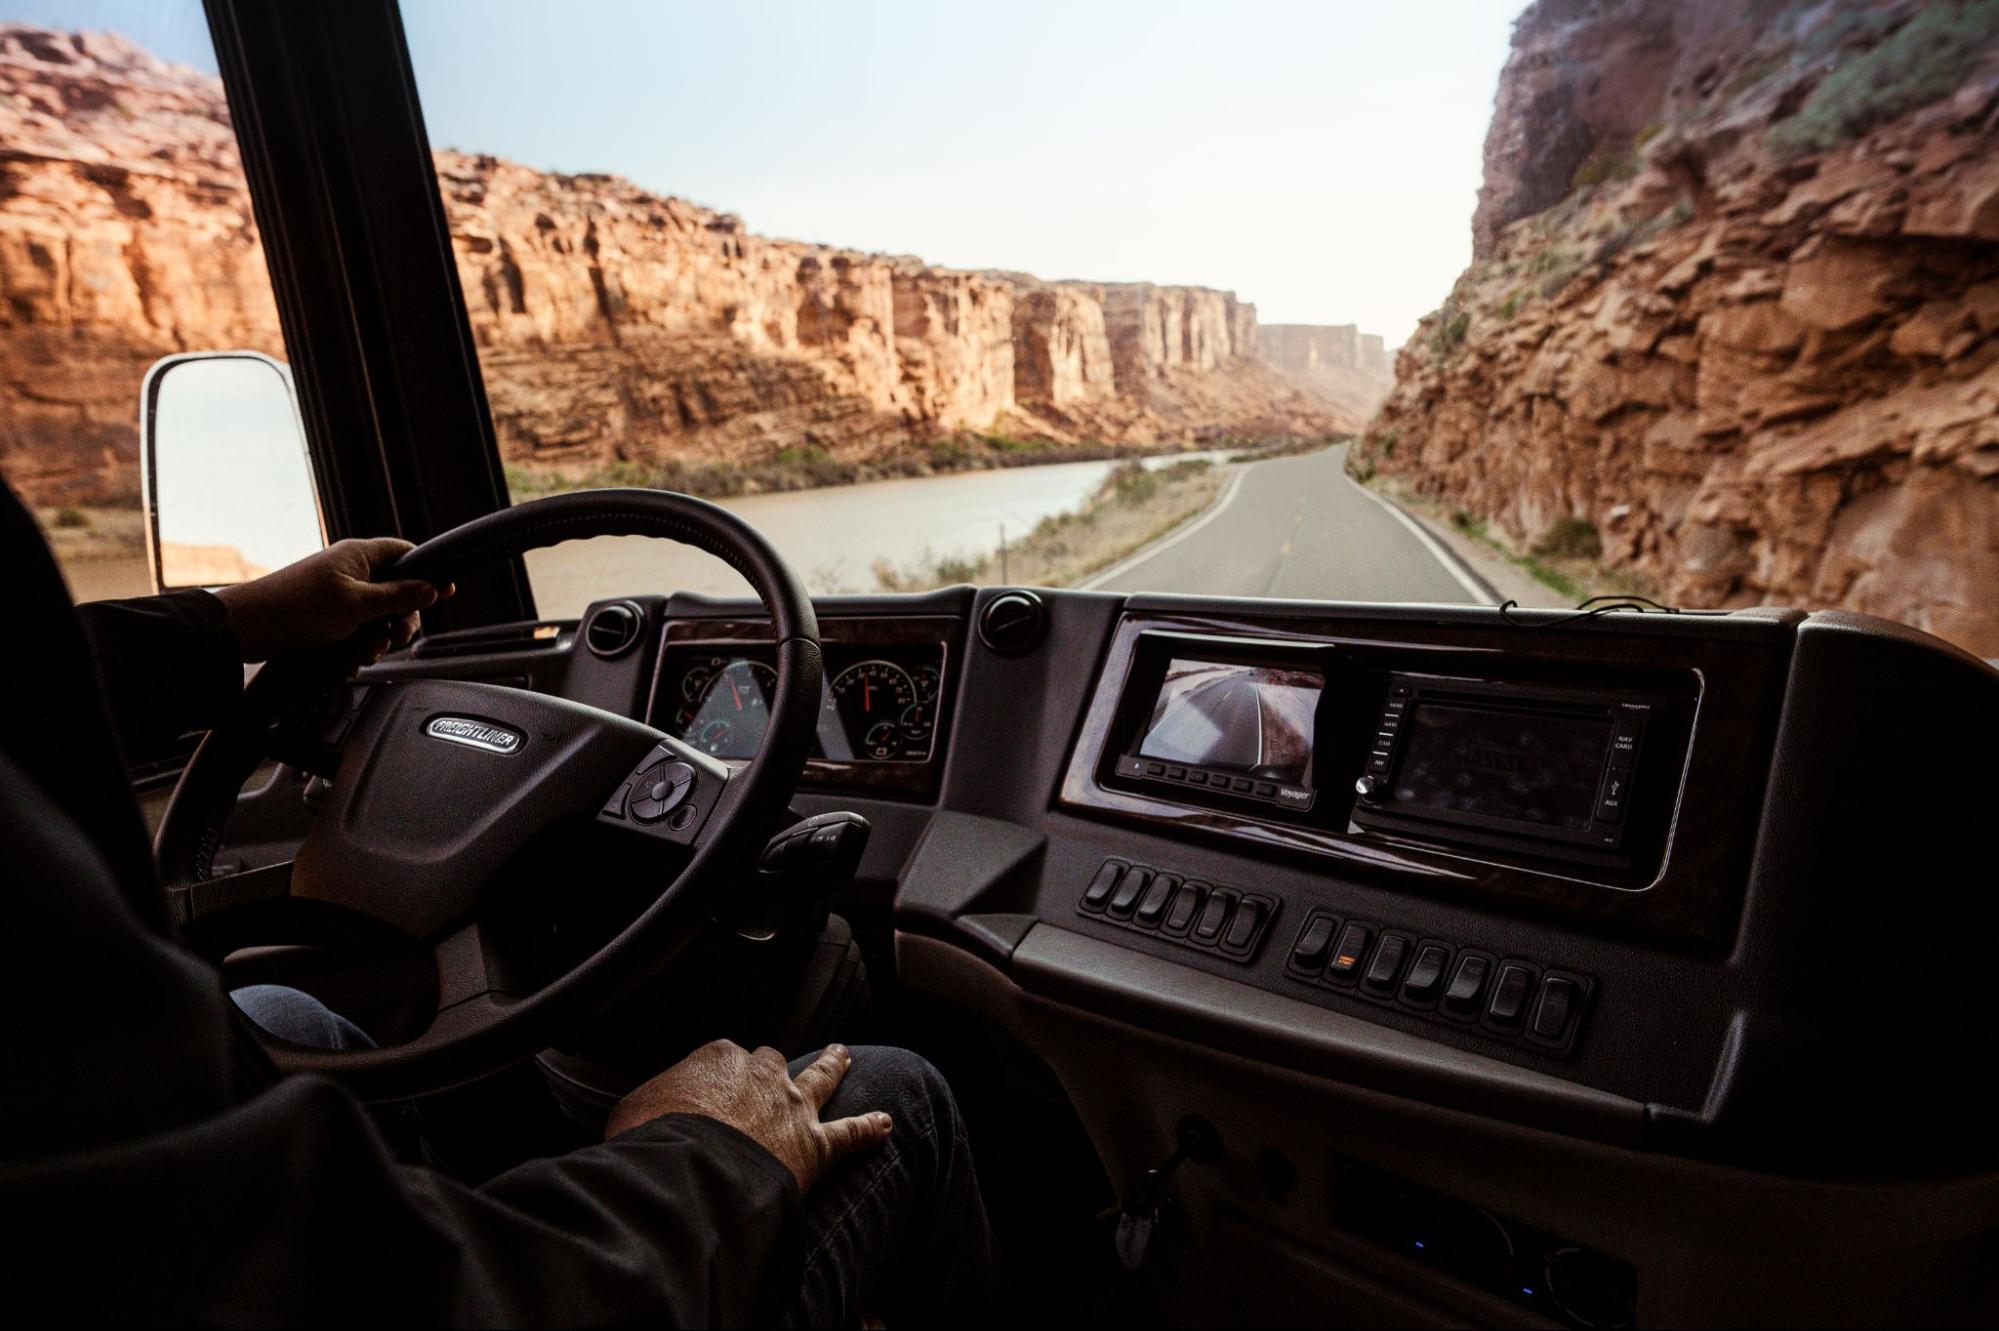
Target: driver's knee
{"x":929,"y":1132}
{"x":296,"y":1017}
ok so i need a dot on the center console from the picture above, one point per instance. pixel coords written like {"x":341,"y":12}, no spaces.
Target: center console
{"x":1457,"y":759}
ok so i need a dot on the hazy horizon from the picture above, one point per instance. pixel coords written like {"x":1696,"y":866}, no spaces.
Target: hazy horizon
{"x":1320,"y":160}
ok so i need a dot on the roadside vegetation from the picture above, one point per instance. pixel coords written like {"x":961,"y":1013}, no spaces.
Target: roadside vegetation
{"x":1134,"y":507}
{"x":1567,"y":558}
{"x":1289,"y":448}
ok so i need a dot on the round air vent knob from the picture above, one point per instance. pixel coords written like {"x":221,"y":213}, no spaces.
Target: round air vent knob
{"x":1013,"y":622}
{"x":613,"y":628}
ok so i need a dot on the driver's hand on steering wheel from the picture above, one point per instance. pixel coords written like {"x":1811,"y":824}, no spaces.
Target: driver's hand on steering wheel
{"x":330,"y":599}
{"x":755,"y":1094}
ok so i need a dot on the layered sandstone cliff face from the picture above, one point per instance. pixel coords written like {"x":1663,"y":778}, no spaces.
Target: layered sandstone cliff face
{"x":125,"y":234}
{"x":614,"y":325}
{"x":1735,"y":307}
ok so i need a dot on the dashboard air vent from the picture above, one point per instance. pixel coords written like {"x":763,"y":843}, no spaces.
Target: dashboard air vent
{"x":613,"y":628}
{"x":1013,"y":622}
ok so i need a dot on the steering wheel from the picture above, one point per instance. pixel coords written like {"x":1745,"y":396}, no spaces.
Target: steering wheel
{"x":439,"y":784}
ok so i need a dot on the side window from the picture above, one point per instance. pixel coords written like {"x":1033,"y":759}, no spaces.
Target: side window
{"x":126,"y":235}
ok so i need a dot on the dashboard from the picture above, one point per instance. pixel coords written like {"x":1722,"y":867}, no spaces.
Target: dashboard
{"x":1515,"y":912}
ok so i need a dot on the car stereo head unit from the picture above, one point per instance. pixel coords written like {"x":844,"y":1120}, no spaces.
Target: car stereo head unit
{"x":1472,"y":761}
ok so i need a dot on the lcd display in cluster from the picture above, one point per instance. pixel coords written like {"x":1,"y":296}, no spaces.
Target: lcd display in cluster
{"x":1256,"y":720}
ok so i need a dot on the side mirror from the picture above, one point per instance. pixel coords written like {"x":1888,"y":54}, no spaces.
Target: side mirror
{"x":229,"y":486}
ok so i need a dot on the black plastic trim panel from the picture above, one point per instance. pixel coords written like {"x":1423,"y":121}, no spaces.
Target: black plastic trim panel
{"x":1213,"y":1010}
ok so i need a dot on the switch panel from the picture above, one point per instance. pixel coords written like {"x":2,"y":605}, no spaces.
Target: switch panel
{"x":1508,"y":998}
{"x":1224,"y":920}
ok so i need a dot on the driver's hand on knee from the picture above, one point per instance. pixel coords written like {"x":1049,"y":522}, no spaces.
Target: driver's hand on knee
{"x":331,"y":598}
{"x":755,"y":1094}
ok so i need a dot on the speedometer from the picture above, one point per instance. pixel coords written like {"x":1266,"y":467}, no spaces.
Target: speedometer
{"x":733,"y":710}
{"x":872,"y":698}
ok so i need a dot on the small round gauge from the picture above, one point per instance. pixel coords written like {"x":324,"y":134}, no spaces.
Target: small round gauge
{"x":699,"y":675}
{"x":926,"y":679}
{"x":729,"y":719}
{"x":883,"y":740}
{"x":872,"y":698}
{"x":916,"y":723}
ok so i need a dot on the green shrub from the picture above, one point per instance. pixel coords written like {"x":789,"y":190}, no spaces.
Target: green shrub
{"x":1570,"y":538}
{"x":1129,"y":483}
{"x":71,"y":519}
{"x":1604,"y":165}
{"x":1511,"y":305}
{"x":1453,"y":323}
{"x":1924,"y":60}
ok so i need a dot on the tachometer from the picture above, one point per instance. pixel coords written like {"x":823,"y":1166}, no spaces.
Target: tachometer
{"x":872,"y":698}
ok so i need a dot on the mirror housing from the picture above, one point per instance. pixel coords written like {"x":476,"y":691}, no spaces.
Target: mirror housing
{"x":228,"y":481}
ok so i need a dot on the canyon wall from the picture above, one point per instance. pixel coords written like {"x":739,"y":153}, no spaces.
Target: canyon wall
{"x":1734,"y":315}
{"x":125,"y":235}
{"x":614,"y":325}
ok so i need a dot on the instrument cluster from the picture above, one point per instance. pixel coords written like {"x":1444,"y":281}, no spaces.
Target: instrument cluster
{"x":877,"y":705}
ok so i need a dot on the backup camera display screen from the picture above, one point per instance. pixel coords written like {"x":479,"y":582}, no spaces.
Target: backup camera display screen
{"x":1526,"y":767}
{"x":1255,"y":720}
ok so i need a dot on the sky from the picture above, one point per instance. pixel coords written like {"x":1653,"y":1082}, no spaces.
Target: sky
{"x":1320,"y":159}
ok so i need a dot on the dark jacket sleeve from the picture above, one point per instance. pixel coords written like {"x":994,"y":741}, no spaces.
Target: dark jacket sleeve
{"x":120,"y":1134}
{"x":170,"y":664}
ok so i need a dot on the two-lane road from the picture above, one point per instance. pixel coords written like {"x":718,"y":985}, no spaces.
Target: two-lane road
{"x":1298,"y":527}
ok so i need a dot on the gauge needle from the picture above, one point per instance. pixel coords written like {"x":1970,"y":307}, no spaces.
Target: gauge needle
{"x":735,"y":696}
{"x":867,"y":695}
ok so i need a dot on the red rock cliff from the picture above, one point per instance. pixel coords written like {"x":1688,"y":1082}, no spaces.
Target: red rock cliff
{"x":1736,"y":306}
{"x":613,"y":323}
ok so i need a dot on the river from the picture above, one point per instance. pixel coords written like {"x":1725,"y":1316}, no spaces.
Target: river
{"x":834,"y":537}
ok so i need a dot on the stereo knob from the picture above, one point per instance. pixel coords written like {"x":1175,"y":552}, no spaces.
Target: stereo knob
{"x":1371,"y":789}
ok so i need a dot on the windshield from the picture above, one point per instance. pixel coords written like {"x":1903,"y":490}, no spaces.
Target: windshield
{"x":1691,"y":304}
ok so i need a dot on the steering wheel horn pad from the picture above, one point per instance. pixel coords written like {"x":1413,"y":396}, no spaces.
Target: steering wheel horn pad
{"x":422,"y":813}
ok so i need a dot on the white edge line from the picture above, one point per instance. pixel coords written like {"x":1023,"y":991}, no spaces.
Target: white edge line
{"x":1130,"y":562}
{"x":1452,"y":564}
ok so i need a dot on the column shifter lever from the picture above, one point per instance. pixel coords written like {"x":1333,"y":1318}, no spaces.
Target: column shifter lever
{"x":797,"y":873}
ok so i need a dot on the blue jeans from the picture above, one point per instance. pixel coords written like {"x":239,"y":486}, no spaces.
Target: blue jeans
{"x":898,"y":1231}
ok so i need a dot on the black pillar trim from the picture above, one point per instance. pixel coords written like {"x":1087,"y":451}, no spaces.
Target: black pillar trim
{"x":345,"y":193}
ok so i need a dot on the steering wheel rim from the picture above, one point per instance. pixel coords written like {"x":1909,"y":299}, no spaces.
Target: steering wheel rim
{"x":488,"y":1035}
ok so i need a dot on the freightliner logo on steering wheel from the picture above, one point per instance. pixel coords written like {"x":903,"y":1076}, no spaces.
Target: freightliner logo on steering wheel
{"x":476,"y":734}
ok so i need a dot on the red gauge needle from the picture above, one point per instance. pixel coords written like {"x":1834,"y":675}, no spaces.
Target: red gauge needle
{"x":734,"y":696}
{"x":867,"y":695}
